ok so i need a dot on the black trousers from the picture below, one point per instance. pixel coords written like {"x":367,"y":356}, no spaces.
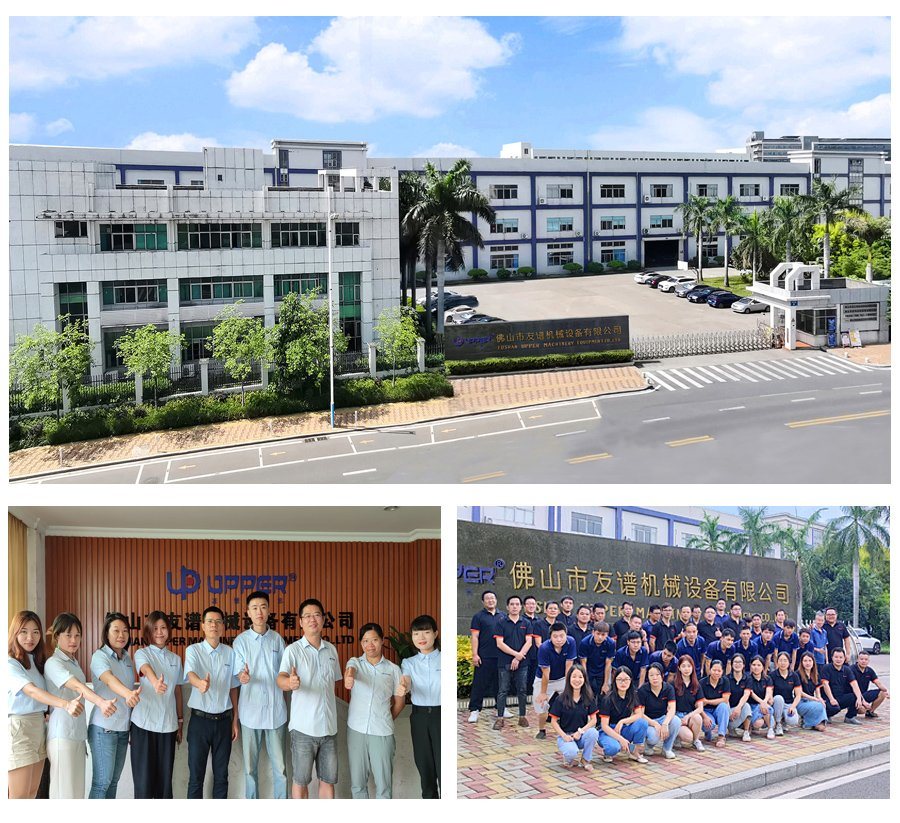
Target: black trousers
{"x":532,"y":671}
{"x":425,"y":727}
{"x":152,"y":762}
{"x":484,"y":683}
{"x":204,"y":736}
{"x":845,"y":701}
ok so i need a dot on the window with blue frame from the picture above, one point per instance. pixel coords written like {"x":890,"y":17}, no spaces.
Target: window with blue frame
{"x":555,"y":224}
{"x":614,"y":250}
{"x":611,"y":222}
{"x":507,"y":225}
{"x":660,"y":221}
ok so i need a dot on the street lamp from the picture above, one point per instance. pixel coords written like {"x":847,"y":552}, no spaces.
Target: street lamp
{"x":328,"y":242}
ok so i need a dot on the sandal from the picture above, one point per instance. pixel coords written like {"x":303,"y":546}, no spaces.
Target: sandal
{"x":587,"y":766}
{"x":638,"y":758}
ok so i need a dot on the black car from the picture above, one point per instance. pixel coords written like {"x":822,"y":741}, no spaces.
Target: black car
{"x":483,"y":318}
{"x":698,"y":294}
{"x":451,"y":301}
{"x":654,"y":281}
{"x":722,"y":299}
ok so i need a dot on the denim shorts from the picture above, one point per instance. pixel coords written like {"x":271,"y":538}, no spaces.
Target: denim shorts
{"x":322,"y":751}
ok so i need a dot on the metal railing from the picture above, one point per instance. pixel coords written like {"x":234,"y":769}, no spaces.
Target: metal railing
{"x":351,"y":362}
{"x":714,"y":342}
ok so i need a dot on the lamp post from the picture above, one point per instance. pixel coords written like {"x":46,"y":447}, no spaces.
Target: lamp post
{"x":328,"y":242}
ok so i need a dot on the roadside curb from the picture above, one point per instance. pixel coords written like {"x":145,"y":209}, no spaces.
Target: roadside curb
{"x":724,"y":787}
{"x":830,"y":353}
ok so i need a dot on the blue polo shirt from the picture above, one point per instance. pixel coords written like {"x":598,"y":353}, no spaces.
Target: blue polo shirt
{"x":719,"y":619}
{"x":484,"y":624}
{"x":656,"y":657}
{"x":714,"y":651}
{"x":596,"y":655}
{"x":640,"y":661}
{"x":808,"y":647}
{"x":819,"y":639}
{"x":513,"y":634}
{"x":748,"y":652}
{"x":549,"y":658}
{"x":764,"y":649}
{"x":783,"y":643}
{"x":696,"y":651}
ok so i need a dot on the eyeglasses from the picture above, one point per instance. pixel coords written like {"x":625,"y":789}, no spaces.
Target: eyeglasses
{"x":310,"y":616}
{"x":214,"y":622}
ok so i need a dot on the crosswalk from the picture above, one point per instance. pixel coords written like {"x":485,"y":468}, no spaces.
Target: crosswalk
{"x":756,"y":371}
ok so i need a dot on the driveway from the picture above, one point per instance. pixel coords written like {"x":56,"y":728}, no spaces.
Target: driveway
{"x":651,"y":312}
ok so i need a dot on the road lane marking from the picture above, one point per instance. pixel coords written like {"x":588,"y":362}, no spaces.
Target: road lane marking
{"x":137,"y":479}
{"x":587,"y":458}
{"x":447,"y":431}
{"x":689,"y":441}
{"x":364,"y":442}
{"x":359,"y":471}
{"x":727,"y":367}
{"x":712,"y":374}
{"x":821,"y":421}
{"x":674,"y":379}
{"x":802,"y":399}
{"x":275,"y":454}
{"x":733,"y":408}
{"x":860,"y":386}
{"x":478,"y":477}
{"x":534,"y":416}
{"x":757,"y":367}
{"x":188,"y":466}
{"x":788,"y":393}
{"x":678,"y":373}
{"x":566,"y":434}
{"x":656,"y":419}
{"x":750,"y":373}
{"x":653,"y":377}
{"x":875,"y":391}
{"x":260,"y":457}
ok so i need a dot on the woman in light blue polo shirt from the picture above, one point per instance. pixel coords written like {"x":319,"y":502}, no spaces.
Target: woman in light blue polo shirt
{"x":112,"y":675}
{"x":422,"y":676}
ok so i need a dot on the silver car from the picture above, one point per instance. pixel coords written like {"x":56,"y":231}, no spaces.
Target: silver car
{"x":676,"y":280}
{"x":864,"y":640}
{"x":746,"y":305}
{"x":682,"y":289}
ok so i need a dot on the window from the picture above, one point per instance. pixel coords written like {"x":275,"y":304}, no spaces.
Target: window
{"x":73,"y":302}
{"x":504,"y":261}
{"x":70,"y":228}
{"x":519,"y":514}
{"x":815,"y":321}
{"x":146,"y":182}
{"x":660,"y":221}
{"x":506,"y":226}
{"x":283,"y":157}
{"x":111,"y":357}
{"x":555,"y":224}
{"x":855,"y":180}
{"x":612,"y":222}
{"x":710,"y":249}
{"x":789,"y":189}
{"x":134,"y":293}
{"x":611,"y":190}
{"x":559,"y":258}
{"x":297,"y":234}
{"x":219,"y":236}
{"x":587,"y":524}
{"x":612,"y":250}
{"x":643,"y":534}
{"x":749,"y":189}
{"x":350,"y":307}
{"x":346,"y":234}
{"x":196,"y":342}
{"x":300,"y":284}
{"x":817,"y":167}
{"x":195,"y":290}
{"x":661,"y":190}
{"x":707,"y":190}
{"x":196,"y":182}
{"x":331,"y":159}
{"x":563,"y":191}
{"x":504,"y":191}
{"x":132,"y":236}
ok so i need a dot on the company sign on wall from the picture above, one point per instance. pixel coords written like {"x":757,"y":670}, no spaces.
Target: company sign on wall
{"x":550,"y":566}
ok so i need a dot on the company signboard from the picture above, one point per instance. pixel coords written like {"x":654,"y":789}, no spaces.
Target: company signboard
{"x":550,"y":566}
{"x":536,"y":337}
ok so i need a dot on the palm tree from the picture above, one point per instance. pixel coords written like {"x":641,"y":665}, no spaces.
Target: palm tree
{"x":435,"y":218}
{"x":869,"y":231}
{"x":827,"y":202}
{"x":757,"y":536}
{"x":790,"y":217}
{"x":859,"y":529}
{"x":694,"y":217}
{"x":727,"y":215}
{"x":793,"y":540}
{"x":754,"y":245}
{"x":411,"y":189}
{"x":712,"y":537}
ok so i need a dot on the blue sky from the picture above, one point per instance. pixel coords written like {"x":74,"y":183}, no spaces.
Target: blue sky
{"x":446,"y":86}
{"x":828,"y":513}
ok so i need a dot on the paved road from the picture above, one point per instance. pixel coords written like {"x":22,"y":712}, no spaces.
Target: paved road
{"x":814,"y":428}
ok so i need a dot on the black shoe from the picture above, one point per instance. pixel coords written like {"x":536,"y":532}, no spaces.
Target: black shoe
{"x":853,"y":721}
{"x":541,"y":735}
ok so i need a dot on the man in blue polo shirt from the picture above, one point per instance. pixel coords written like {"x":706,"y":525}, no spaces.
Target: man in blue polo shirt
{"x":652,"y":619}
{"x":634,"y":656}
{"x":765,"y":646}
{"x":513,"y":637}
{"x":721,"y":614}
{"x":756,"y":627}
{"x":596,"y":652}
{"x":745,"y":647}
{"x":806,"y":645}
{"x":484,"y":654}
{"x":555,"y":658}
{"x":819,"y":638}
{"x":667,"y":658}
{"x":722,"y":649}
{"x":788,"y":641}
{"x":691,"y":645}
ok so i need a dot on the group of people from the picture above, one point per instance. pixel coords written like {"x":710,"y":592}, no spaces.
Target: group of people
{"x":641,"y":686}
{"x":237,"y":690}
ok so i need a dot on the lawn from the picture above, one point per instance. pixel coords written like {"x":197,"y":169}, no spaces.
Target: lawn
{"x":736,"y":285}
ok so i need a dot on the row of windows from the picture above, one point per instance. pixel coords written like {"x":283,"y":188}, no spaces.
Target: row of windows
{"x":219,"y":236}
{"x":224,"y":289}
{"x":609,"y":191}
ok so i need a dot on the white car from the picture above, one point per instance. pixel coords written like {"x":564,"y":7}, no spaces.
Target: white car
{"x":460,"y":314}
{"x":864,"y":640}
{"x":641,"y":276}
{"x":746,"y":305}
{"x":669,"y":285}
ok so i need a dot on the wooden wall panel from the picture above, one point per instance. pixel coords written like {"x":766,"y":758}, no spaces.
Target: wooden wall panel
{"x":389,"y":583}
{"x":17,"y":566}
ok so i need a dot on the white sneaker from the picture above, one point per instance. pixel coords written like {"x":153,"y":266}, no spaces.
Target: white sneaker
{"x":648,"y":750}
{"x":508,"y":713}
{"x":746,"y":737}
{"x":668,"y":755}
{"x":473,"y":717}
{"x":698,"y":745}
{"x":779,"y":729}
{"x":771,"y":733}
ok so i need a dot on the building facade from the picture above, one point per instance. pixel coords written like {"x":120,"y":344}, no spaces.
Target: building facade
{"x":760,"y":147}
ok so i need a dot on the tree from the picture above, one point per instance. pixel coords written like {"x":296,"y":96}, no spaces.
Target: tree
{"x":858,"y":529}
{"x":49,"y":361}
{"x":869,"y":231}
{"x":827,"y":202}
{"x":396,"y":330}
{"x":790,"y":218}
{"x":756,"y":536}
{"x":712,"y":537}
{"x":300,"y":343}
{"x":694,"y":218}
{"x":753,"y":250}
{"x":793,"y":540}
{"x":239,"y":341}
{"x":441,"y":230}
{"x":411,"y":191}
{"x":727,"y":215}
{"x":148,"y":350}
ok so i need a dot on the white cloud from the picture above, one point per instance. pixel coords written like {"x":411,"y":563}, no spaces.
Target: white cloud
{"x":21,"y":126}
{"x":46,"y":52}
{"x":867,"y":118}
{"x":447,"y":150}
{"x":150,"y":140}
{"x":664,"y":128}
{"x":58,"y":127}
{"x":372,"y":68}
{"x":763,"y":60}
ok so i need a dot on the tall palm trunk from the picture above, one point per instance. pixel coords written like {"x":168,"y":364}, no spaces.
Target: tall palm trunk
{"x":856,"y":587}
{"x":726,"y":260}
{"x":826,"y":250}
{"x":441,"y":274}
{"x":700,"y":254}
{"x":429,"y":331}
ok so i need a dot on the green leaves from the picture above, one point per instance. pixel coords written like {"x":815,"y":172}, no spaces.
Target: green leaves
{"x":397,"y":334}
{"x":148,"y":350}
{"x":239,"y":342}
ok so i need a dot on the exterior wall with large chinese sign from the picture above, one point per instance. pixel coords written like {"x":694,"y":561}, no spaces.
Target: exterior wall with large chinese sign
{"x":389,"y":583}
{"x":597,"y":569}
{"x":536,"y":337}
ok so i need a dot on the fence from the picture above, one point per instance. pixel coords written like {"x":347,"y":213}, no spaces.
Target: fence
{"x":715,"y":342}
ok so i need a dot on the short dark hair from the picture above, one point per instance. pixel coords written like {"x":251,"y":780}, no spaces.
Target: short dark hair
{"x":735,"y":604}
{"x":257,"y":596}
{"x":626,"y":603}
{"x":558,"y":627}
{"x":600,"y":606}
{"x":670,"y":647}
{"x":708,"y":608}
{"x":550,"y":603}
{"x":62,"y":623}
{"x":310,"y":601}
{"x":654,"y":607}
{"x":513,"y":597}
{"x":529,"y":597}
{"x":667,"y":606}
{"x":633,"y":635}
{"x":837,"y":649}
{"x":110,"y":619}
{"x":567,"y":597}
{"x":805,"y":630}
{"x":767,"y":627}
{"x":790,"y":624}
{"x":215,"y":609}
{"x":601,"y":626}
{"x":756,"y":614}
{"x":486,"y":592}
{"x":716,"y":662}
{"x":370,"y":627}
{"x":746,"y":628}
{"x":154,"y":617}
{"x":728,"y":633}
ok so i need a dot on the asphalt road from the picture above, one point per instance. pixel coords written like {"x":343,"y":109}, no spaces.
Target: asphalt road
{"x":815,"y":428}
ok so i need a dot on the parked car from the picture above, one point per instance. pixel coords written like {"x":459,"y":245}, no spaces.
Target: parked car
{"x":451,"y":301}
{"x":655,"y":281}
{"x":683,"y":289}
{"x":641,"y":276}
{"x":434,"y":294}
{"x":483,"y":318}
{"x":677,"y":280}
{"x":698,"y":294}
{"x":459,"y":314}
{"x":864,"y":640}
{"x":722,"y":299}
{"x":746,"y":305}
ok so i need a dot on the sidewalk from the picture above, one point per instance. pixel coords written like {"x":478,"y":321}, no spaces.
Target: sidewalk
{"x":473,"y":395}
{"x":511,"y":763}
{"x":877,"y":354}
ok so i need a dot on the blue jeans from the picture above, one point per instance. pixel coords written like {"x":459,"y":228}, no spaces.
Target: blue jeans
{"x":653,"y":733}
{"x":585,"y":743}
{"x":635,"y":734}
{"x":811,"y":712}
{"x":756,"y":714}
{"x":505,"y":676}
{"x":251,"y":742}
{"x":108,"y":750}
{"x":719,"y":714}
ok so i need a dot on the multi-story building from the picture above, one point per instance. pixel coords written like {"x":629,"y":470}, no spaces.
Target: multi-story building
{"x":122,"y":238}
{"x":760,"y":147}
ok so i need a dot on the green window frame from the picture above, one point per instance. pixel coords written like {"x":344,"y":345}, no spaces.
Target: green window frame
{"x":298,"y":235}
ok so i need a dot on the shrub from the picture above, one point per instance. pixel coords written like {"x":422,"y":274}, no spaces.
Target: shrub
{"x":719,"y":260}
{"x":504,"y":274}
{"x":526,"y":271}
{"x":594,"y":267}
{"x":465,"y":671}
{"x":477,"y":274}
{"x":633,"y":265}
{"x":615,"y":265}
{"x":546,"y":361}
{"x":573,"y":268}
{"x":421,"y":277}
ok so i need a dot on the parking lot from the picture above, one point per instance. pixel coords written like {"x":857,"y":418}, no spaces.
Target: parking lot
{"x":650,"y":311}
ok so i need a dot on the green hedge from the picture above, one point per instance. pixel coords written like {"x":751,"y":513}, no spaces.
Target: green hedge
{"x":547,"y":361}
{"x":195,"y":411}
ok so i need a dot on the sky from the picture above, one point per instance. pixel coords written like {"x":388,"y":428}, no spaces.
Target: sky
{"x":436,"y":87}
{"x":828,"y":512}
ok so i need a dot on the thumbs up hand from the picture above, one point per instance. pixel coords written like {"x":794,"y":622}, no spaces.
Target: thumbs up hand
{"x":134,"y":697}
{"x":403,"y":686}
{"x":203,"y":685}
{"x":160,"y":686}
{"x":108,"y":707}
{"x":244,"y":675}
{"x":294,"y":679}
{"x":75,"y":707}
{"x":349,"y":677}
